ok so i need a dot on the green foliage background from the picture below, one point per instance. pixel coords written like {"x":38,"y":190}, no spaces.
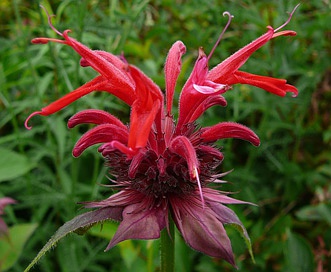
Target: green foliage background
{"x":288,"y":176}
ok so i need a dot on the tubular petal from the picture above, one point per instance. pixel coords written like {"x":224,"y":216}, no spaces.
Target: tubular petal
{"x":142,"y":80}
{"x":97,"y":84}
{"x":115,"y":60}
{"x":43,"y":40}
{"x":100,"y":134}
{"x":219,"y":73}
{"x":116,"y":77}
{"x":92,"y":116}
{"x":273,"y":85}
{"x":206,"y":104}
{"x":172,"y":69}
{"x":196,"y":90}
{"x":229,"y":130}
{"x":144,"y":109}
{"x":184,"y":148}
{"x":105,"y":149}
{"x":284,"y":33}
{"x":135,"y":163}
{"x":206,"y":149}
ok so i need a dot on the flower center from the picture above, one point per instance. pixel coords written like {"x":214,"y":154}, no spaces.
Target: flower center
{"x":152,"y":175}
{"x":163,"y":175}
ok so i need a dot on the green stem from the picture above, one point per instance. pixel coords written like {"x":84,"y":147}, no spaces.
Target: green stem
{"x":168,"y":248}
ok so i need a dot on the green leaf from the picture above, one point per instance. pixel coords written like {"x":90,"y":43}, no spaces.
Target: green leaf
{"x":325,"y":212}
{"x":80,"y":222}
{"x":299,"y":254}
{"x":244,"y":235}
{"x":320,"y":212}
{"x":11,"y":248}
{"x":13,"y":165}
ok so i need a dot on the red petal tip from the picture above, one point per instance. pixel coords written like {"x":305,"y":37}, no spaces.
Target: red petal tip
{"x":29,"y":117}
{"x":39,"y":40}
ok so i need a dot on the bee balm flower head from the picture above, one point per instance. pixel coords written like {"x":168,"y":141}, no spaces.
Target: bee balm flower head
{"x":164,"y":166}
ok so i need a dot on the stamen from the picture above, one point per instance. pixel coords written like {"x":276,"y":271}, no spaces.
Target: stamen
{"x":289,"y":18}
{"x":226,"y":13}
{"x":49,"y":17}
{"x":196,"y":175}
{"x":29,"y":117}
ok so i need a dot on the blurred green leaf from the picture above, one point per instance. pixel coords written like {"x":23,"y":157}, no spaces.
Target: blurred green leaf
{"x":11,"y":248}
{"x":128,"y":252}
{"x":320,"y":212}
{"x":244,"y":235}
{"x":13,"y":164}
{"x":298,"y":254}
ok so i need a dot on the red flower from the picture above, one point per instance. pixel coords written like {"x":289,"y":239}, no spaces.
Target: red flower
{"x":163,"y":166}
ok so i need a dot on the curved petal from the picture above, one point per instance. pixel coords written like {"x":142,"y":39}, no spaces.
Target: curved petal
{"x":206,"y":104}
{"x":182,"y":146}
{"x":217,"y":196}
{"x":229,"y":130}
{"x":273,"y":85}
{"x":107,"y":148}
{"x":97,"y":84}
{"x":141,"y":123}
{"x":100,"y":134}
{"x":219,"y":73}
{"x":144,"y":109}
{"x":115,"y":60}
{"x":92,"y":116}
{"x":172,"y":69}
{"x":144,"y":82}
{"x":116,"y":76}
{"x":209,"y":157}
{"x":196,"y":90}
{"x":121,"y":199}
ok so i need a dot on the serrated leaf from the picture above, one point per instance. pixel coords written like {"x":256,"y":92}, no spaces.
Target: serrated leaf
{"x":75,"y":225}
{"x":12,"y":247}
{"x":13,"y":165}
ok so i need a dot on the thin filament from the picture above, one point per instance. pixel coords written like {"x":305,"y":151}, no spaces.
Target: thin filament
{"x":226,"y":13}
{"x":289,"y":18}
{"x":49,"y":17}
{"x":196,"y":174}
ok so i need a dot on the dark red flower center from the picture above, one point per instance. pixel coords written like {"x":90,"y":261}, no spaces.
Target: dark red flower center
{"x":163,"y":175}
